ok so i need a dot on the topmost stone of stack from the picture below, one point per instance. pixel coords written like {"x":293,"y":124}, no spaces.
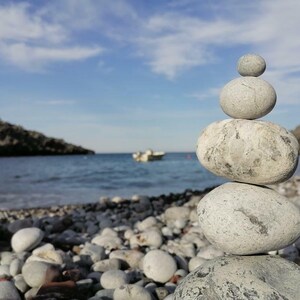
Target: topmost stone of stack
{"x":251,"y":65}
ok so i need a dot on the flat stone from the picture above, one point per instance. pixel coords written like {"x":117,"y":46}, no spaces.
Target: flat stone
{"x":243,"y":278}
{"x":159,"y":265}
{"x":251,"y":65}
{"x":247,"y":98}
{"x":244,"y":219}
{"x":257,"y":152}
{"x":26,"y":239}
{"x":8,"y":291}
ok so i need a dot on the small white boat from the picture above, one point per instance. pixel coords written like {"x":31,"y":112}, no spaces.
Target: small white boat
{"x":149,"y":155}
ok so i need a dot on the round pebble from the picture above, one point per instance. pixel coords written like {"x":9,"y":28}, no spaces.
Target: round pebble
{"x":26,"y":239}
{"x":37,"y":273}
{"x":113,"y":279}
{"x":257,"y":152}
{"x":159,"y":265}
{"x":251,"y":65}
{"x":245,"y":219}
{"x":242,"y":277}
{"x":247,"y":98}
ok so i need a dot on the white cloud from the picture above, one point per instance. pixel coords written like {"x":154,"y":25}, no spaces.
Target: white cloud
{"x":35,"y":58}
{"x":31,"y":41}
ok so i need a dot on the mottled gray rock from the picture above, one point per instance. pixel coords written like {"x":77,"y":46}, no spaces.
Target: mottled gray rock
{"x":243,"y":278}
{"x":95,"y":252}
{"x":247,"y":98}
{"x":106,"y":294}
{"x":244,"y":219}
{"x":26,"y":239}
{"x":257,"y":152}
{"x":8,"y":291}
{"x":159,"y":265}
{"x":251,"y":65}
{"x":131,"y":292}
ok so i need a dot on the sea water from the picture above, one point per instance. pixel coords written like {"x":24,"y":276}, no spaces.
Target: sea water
{"x":57,"y":180}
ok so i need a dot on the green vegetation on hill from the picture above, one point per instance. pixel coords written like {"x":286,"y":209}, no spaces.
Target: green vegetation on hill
{"x":17,"y":141}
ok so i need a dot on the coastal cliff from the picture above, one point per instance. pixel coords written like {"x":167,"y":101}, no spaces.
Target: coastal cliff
{"x":17,"y":141}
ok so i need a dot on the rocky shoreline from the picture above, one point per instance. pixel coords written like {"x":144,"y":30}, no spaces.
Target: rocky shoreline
{"x":17,"y":141}
{"x":138,"y":248}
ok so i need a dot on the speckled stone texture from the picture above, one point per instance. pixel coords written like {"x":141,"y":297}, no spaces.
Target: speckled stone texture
{"x":245,"y":219}
{"x":247,"y":98}
{"x":242,"y":278}
{"x":251,"y":65}
{"x":257,"y":152}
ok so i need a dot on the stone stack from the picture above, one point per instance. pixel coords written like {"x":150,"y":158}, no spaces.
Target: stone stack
{"x":245,"y":218}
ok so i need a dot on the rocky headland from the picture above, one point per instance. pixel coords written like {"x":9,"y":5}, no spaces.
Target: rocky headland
{"x":17,"y":141}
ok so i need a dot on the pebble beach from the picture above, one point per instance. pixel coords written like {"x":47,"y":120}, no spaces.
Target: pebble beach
{"x":137,"y":248}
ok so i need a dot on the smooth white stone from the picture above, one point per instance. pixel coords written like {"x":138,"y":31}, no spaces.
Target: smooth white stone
{"x":159,"y":265}
{"x":108,"y":242}
{"x":43,"y":248}
{"x":7,"y":257}
{"x":209,"y":252}
{"x":15,"y":267}
{"x":173,"y":214}
{"x":20,"y":283}
{"x":35,"y":273}
{"x":26,"y":239}
{"x":257,"y":152}
{"x":247,"y":98}
{"x":244,"y":219}
{"x":251,"y":65}
{"x":242,"y":277}
{"x":8,"y":291}
{"x":107,"y":264}
{"x":4,"y":271}
{"x":147,"y":223}
{"x":131,"y":292}
{"x":113,"y":279}
{"x":150,"y":237}
{"x":196,"y":262}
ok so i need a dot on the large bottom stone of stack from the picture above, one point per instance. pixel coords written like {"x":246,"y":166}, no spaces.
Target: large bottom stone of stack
{"x":245,"y":219}
{"x":243,"y":278}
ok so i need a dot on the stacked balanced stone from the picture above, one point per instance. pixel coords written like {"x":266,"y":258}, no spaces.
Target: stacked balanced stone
{"x":245,"y":218}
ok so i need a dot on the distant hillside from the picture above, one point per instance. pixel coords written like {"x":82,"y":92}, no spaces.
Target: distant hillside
{"x":296,"y":133}
{"x":17,"y":141}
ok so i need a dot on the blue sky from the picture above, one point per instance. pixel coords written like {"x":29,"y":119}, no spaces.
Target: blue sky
{"x":121,"y":76}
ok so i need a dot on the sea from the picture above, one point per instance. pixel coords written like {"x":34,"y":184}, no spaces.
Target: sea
{"x":42,"y":181}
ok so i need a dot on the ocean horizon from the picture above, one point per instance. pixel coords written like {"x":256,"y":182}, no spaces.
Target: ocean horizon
{"x":41,"y":181}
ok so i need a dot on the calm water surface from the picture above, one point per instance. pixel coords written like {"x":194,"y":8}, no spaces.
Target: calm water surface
{"x":53,"y":180}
